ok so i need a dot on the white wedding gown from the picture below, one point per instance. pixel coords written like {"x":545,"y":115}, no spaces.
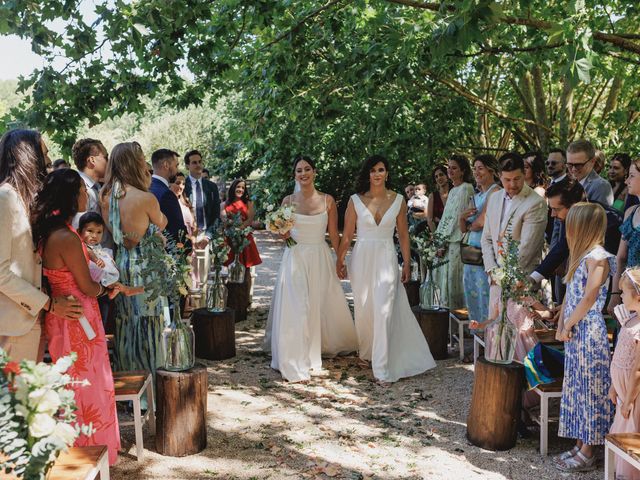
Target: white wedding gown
{"x":388,"y":332}
{"x":309,"y":316}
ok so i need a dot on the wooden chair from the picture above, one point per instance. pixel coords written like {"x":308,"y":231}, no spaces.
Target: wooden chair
{"x":461,"y":318}
{"x":626,"y":446}
{"x":130,"y":386}
{"x":81,"y":463}
{"x":550,"y":390}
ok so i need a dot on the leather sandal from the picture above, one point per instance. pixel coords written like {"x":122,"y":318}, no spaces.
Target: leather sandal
{"x":578,"y":463}
{"x":565,"y":455}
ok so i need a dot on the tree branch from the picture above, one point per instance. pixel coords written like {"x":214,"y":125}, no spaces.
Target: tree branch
{"x":484,"y":51}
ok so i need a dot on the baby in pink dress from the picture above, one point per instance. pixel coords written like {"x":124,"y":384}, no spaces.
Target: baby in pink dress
{"x":624,"y":368}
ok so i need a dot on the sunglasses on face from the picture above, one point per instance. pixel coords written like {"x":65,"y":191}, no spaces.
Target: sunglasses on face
{"x":551,"y":163}
{"x":577,"y":166}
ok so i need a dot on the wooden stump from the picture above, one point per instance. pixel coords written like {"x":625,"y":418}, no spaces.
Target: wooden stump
{"x":215,"y":334}
{"x":413,"y":292}
{"x":239,"y":294}
{"x":495,"y":405}
{"x":181,"y":411}
{"x":435,"y":328}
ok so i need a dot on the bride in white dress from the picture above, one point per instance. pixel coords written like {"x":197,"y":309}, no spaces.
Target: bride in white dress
{"x":309,"y":316}
{"x":388,"y":333}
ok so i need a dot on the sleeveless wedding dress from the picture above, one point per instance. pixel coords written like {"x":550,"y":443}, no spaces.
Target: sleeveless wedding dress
{"x":309,"y":316}
{"x":388,"y":332}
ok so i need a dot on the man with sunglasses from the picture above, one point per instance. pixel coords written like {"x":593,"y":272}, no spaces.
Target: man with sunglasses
{"x":581,"y":157}
{"x":556,"y":165}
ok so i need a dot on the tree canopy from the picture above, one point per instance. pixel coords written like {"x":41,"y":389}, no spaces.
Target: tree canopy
{"x":342,"y":79}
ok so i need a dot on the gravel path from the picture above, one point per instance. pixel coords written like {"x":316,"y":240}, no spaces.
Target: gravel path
{"x":340,"y":425}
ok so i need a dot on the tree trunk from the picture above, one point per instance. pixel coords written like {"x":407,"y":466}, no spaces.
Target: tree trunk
{"x":612,"y":98}
{"x":238,"y":298}
{"x":215,"y":334}
{"x":435,"y":328}
{"x":565,"y":113}
{"x":541,"y":109}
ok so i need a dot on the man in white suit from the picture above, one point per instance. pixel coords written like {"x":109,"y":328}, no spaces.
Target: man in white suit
{"x":517,"y":209}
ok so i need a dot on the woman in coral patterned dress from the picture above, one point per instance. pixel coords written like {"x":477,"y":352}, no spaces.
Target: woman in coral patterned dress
{"x":238,"y":203}
{"x":66,"y":266}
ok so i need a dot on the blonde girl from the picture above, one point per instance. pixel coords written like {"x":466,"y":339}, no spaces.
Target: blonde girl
{"x":585,"y":410}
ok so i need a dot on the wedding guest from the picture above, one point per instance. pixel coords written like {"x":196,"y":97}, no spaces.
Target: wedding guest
{"x":625,"y":381}
{"x":23,"y":162}
{"x":134,"y":213}
{"x":409,"y":191}
{"x":238,"y":203}
{"x":205,"y":174}
{"x":66,"y":266}
{"x":534,"y":174}
{"x":388,"y":334}
{"x":600,"y":162}
{"x":585,"y":410}
{"x":177,"y":187}
{"x":629,"y":249}
{"x":418,"y":205}
{"x":618,"y":172}
{"x":165,"y":167}
{"x":581,"y":156}
{"x":449,"y":276}
{"x":204,"y":197}
{"x":438,"y":198}
{"x":60,"y":163}
{"x":476,"y":284}
{"x":556,"y":165}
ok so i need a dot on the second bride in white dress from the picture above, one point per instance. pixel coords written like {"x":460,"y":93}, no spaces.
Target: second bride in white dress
{"x":388,"y":333}
{"x":309,"y":316}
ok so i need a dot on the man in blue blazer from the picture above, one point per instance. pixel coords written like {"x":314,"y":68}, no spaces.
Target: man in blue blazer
{"x":165,"y":167}
{"x":204,"y":197}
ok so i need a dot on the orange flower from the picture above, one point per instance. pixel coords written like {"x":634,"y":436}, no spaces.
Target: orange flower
{"x":11,"y":367}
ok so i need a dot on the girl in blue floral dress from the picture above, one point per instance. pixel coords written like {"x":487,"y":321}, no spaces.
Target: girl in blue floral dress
{"x":585,"y":410}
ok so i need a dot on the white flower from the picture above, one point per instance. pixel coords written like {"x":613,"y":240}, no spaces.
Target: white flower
{"x":44,"y":400}
{"x":41,"y":425}
{"x":269,"y":208}
{"x":63,"y":363}
{"x":498,"y":275}
{"x":65,"y":432}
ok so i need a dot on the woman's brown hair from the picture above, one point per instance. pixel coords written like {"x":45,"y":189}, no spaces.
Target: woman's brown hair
{"x":128,"y":167}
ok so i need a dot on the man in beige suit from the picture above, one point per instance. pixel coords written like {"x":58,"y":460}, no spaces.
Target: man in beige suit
{"x":520,"y":210}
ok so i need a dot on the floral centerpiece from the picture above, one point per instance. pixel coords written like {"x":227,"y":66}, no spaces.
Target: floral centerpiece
{"x":237,"y":239}
{"x":216,"y":290}
{"x":430,"y":247}
{"x":514,"y":286}
{"x":281,"y":221}
{"x":37,"y":419}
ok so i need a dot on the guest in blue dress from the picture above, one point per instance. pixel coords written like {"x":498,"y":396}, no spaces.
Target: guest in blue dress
{"x":475,"y":279}
{"x":585,"y":410}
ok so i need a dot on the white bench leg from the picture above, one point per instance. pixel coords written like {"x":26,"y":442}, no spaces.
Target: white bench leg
{"x":450,"y":332}
{"x":461,"y":339}
{"x":103,"y":467}
{"x":137,"y":420}
{"x":476,"y":349}
{"x":609,"y":462}
{"x":151,"y":418}
{"x":544,"y":423}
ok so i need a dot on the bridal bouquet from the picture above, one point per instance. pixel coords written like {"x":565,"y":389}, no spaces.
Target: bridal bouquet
{"x":37,"y":418}
{"x":281,"y":221}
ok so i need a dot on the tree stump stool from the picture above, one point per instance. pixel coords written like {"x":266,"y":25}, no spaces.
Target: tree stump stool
{"x":215,"y":334}
{"x":413,"y":292}
{"x":181,"y":411}
{"x":239,"y":296}
{"x":435,"y":328}
{"x":495,"y":405}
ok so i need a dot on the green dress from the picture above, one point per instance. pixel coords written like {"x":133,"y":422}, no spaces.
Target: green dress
{"x":139,"y":321}
{"x":448,"y":277}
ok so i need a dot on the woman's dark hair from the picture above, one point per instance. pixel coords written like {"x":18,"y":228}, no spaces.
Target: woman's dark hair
{"x":299,"y":159}
{"x":55,"y":204}
{"x":362,"y":183}
{"x":89,"y":217}
{"x":537,"y":167}
{"x":463,"y":163}
{"x":22,"y":163}
{"x":490,"y":162}
{"x":625,"y":161}
{"x":231,"y":193}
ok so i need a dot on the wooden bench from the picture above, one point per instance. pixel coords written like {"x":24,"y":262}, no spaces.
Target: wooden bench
{"x":550,"y":390}
{"x":626,"y":446}
{"x":81,"y":463}
{"x":130,"y":386}
{"x":461,"y":318}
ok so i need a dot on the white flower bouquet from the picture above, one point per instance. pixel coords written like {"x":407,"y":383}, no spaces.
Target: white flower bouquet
{"x":37,"y":418}
{"x":281,"y":221}
{"x":428,"y":244}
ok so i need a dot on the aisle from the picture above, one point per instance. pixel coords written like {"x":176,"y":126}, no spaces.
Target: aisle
{"x":340,"y":425}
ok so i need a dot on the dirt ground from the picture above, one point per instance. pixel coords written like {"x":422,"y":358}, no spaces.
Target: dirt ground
{"x":341,"y":425}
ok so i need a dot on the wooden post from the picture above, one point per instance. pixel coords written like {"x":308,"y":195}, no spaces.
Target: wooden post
{"x":435,"y":328}
{"x":215,"y":334}
{"x":495,"y":405}
{"x":413,"y":292}
{"x":239,"y":294}
{"x":181,"y":411}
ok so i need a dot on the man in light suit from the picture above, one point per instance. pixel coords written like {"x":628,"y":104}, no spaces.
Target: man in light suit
{"x":165,"y":167}
{"x":581,"y":157}
{"x":518,"y":210}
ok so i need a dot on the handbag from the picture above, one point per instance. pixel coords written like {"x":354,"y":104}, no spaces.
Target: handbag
{"x":470,"y":254}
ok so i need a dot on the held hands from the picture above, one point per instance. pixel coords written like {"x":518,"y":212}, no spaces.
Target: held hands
{"x":202,"y":243}
{"x":341,"y":269}
{"x":406,"y":272}
{"x":66,"y":307}
{"x":564,"y":335}
{"x":468,"y":213}
{"x":613,"y":395}
{"x":614,"y":301}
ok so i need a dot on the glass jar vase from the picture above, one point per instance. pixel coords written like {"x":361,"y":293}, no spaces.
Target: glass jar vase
{"x":429,"y":293}
{"x":216,"y":293}
{"x":236,"y":270}
{"x":500,"y":340}
{"x":178,"y":346}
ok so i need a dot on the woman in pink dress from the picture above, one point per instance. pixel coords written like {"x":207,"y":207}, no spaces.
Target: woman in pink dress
{"x":66,"y":266}
{"x":625,"y":384}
